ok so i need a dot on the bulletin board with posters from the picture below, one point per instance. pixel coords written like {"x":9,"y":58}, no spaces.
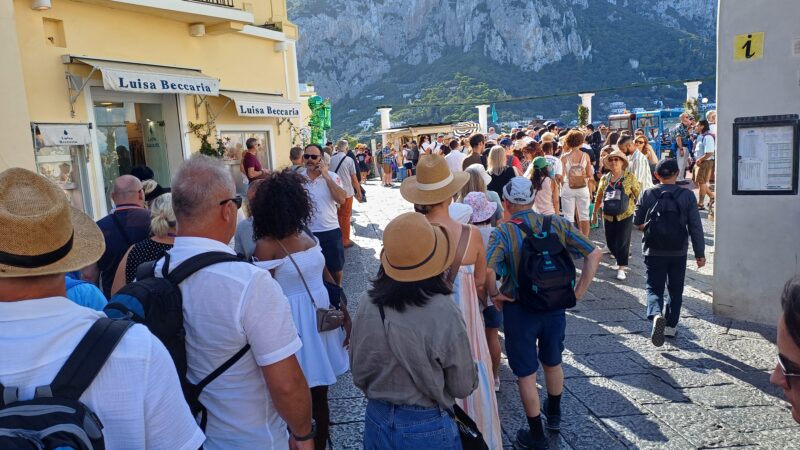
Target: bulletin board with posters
{"x":766,"y":152}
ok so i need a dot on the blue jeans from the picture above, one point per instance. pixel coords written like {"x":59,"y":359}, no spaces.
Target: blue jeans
{"x":669,"y":270}
{"x":404,"y":427}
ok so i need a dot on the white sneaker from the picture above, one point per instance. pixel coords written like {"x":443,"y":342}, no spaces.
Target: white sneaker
{"x":615,"y":267}
{"x":670,"y":332}
{"x":657,"y":335}
{"x":621,"y":275}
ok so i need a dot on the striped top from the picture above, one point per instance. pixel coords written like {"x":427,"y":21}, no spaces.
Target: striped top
{"x":505,"y":245}
{"x":640,"y":168}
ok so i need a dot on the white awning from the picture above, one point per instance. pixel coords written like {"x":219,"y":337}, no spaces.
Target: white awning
{"x":252,"y":104}
{"x":54,"y":135}
{"x":153,"y":79}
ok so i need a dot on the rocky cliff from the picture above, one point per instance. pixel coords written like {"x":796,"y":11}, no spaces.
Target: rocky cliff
{"x":350,"y":47}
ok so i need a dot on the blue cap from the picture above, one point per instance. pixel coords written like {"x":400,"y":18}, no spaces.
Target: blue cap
{"x":506,"y":142}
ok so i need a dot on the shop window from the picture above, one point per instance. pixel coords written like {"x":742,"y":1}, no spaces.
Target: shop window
{"x":54,"y":32}
{"x":235,"y":142}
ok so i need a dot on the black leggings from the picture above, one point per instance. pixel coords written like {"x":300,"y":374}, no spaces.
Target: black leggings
{"x":321,"y":414}
{"x":618,"y":238}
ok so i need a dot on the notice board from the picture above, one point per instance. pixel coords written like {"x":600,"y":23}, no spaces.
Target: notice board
{"x":765,"y":155}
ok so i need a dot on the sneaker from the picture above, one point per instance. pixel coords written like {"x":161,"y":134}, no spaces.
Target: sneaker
{"x":621,"y":275}
{"x":552,"y":421}
{"x":657,"y":335}
{"x":525,"y":440}
{"x":615,"y":267}
{"x":670,"y":332}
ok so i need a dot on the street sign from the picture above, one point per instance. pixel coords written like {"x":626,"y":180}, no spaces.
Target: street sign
{"x":747,"y":47}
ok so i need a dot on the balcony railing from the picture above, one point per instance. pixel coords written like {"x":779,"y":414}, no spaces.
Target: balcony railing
{"x":225,"y":3}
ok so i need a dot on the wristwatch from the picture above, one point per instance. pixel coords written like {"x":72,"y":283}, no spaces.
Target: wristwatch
{"x":310,"y":435}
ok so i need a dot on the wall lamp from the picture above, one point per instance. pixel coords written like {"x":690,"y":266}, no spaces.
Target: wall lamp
{"x":41,"y":5}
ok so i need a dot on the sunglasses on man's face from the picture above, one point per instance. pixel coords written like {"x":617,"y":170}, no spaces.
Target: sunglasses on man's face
{"x":782,"y":364}
{"x":236,"y":201}
{"x":312,"y":157}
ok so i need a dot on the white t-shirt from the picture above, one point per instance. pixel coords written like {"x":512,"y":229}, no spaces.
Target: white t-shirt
{"x":225,"y":307}
{"x":555,"y":164}
{"x":324,"y":217}
{"x":136,"y":394}
{"x":346,"y":171}
{"x":455,"y":160}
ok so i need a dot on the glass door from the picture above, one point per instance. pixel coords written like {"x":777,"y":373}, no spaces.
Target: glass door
{"x":131,"y":134}
{"x":235,"y":143}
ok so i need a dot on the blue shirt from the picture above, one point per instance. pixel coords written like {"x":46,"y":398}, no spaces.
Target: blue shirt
{"x":85,"y":294}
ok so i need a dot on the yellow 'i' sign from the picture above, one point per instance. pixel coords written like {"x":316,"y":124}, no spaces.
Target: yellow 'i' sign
{"x":747,"y":47}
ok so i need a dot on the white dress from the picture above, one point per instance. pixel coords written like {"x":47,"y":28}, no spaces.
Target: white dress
{"x":322,"y":356}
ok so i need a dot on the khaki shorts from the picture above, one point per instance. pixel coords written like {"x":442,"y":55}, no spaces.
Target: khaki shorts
{"x":704,"y":171}
{"x":387,"y":168}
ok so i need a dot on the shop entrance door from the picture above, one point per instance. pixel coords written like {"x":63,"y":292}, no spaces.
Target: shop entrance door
{"x":135,"y":130}
{"x":235,"y":144}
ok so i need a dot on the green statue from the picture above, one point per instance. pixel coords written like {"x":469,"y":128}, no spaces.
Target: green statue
{"x":320,"y":121}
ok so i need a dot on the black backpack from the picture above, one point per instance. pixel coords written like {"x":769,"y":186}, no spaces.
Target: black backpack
{"x":665,"y":224}
{"x":158,"y":304}
{"x":55,"y":417}
{"x":546,"y":273}
{"x":615,"y":200}
{"x":415,"y":154}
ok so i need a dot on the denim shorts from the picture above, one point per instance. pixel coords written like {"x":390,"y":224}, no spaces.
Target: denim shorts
{"x":533,"y":337}
{"x":332,"y":249}
{"x":406,"y":427}
{"x":492,"y":318}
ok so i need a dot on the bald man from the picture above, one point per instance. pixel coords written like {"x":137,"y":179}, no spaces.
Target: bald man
{"x":127,"y":224}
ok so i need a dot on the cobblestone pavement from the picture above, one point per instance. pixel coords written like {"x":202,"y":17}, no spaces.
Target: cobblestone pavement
{"x":709,"y":388}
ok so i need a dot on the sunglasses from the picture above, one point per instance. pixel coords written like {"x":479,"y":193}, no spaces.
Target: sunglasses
{"x":614,"y":160}
{"x":313,"y":157}
{"x":640,"y":142}
{"x":782,"y":365}
{"x":236,"y":200}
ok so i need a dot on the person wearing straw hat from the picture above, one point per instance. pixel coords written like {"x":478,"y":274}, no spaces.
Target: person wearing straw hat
{"x":137,"y":395}
{"x":409,"y":351}
{"x":532,"y":337}
{"x":618,"y":192}
{"x":431,"y":191}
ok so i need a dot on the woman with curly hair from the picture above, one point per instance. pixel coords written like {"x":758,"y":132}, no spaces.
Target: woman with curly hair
{"x":281,"y":214}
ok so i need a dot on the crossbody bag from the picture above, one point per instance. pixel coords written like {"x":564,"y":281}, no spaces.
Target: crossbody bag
{"x":327,"y":318}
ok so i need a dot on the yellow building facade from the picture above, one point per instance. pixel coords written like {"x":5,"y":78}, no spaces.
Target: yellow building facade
{"x":94,"y":88}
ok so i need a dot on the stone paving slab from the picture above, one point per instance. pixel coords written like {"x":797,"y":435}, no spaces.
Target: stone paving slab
{"x":708,"y":388}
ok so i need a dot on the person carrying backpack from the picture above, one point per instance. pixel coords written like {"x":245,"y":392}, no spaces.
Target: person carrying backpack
{"x":668,"y":215}
{"x":70,"y":377}
{"x":617,"y":192}
{"x":531,"y":254}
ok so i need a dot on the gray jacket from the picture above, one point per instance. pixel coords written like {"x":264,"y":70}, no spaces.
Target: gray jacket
{"x":429,"y":362}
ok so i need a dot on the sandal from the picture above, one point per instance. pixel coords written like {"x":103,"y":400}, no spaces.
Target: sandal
{"x":701,"y":207}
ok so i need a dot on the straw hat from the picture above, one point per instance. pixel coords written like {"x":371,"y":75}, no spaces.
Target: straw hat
{"x":434,"y":182}
{"x":432,"y":253}
{"x":42,"y":234}
{"x":617,"y":153}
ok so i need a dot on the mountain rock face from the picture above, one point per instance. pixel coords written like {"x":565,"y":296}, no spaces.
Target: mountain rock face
{"x":347,"y":46}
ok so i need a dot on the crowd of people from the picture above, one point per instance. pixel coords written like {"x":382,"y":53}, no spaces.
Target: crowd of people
{"x":263,"y":327}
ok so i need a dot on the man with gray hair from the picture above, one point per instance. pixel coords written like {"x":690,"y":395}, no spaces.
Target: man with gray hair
{"x":229,"y":307}
{"x":127,"y":224}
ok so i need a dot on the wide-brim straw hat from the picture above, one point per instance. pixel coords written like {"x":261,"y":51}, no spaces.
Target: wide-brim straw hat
{"x":431,"y":254}
{"x":434,"y":182}
{"x":42,"y":234}
{"x":617,"y":153}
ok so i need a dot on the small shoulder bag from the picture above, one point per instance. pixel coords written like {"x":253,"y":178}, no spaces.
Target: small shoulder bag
{"x":327,"y":318}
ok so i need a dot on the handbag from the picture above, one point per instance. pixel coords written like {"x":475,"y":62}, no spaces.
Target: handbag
{"x":327,"y":318}
{"x":471,"y":436}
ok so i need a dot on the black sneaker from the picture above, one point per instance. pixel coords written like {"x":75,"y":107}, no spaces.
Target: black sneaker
{"x":657,"y":335}
{"x":552,"y":421}
{"x":525,"y":440}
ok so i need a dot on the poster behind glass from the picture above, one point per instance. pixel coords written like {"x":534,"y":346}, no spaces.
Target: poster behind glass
{"x":766,"y":158}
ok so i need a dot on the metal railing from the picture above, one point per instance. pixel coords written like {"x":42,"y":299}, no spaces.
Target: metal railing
{"x":225,"y":3}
